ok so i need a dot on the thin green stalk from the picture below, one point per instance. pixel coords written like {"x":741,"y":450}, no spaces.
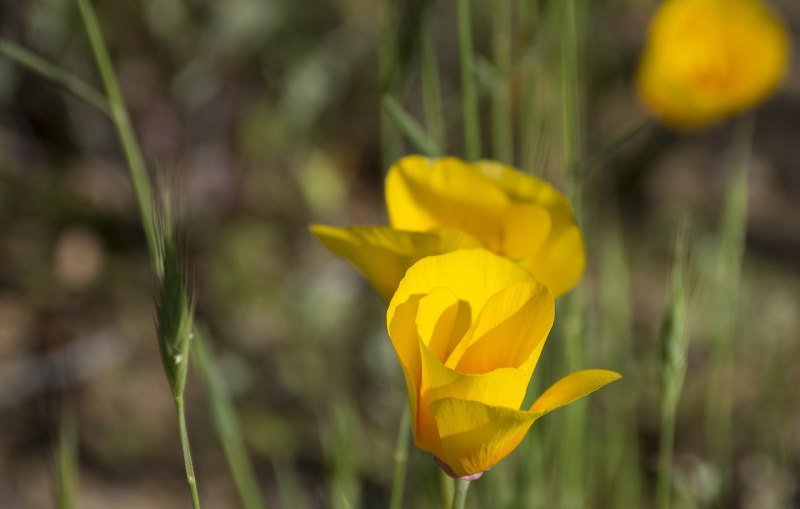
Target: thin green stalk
{"x":469,"y":94}
{"x":388,"y":58}
{"x":570,"y":86}
{"x":572,"y":463}
{"x":227,"y":426}
{"x":400,"y":460}
{"x":66,"y":465}
{"x":665,"y":447}
{"x":60,"y":77}
{"x":531,"y":119}
{"x":596,"y":161}
{"x":410,"y":128}
{"x":122,"y":123}
{"x":674,"y":354}
{"x":460,"y":496}
{"x":431,"y":88}
{"x":187,"y":453}
{"x":502,"y":135}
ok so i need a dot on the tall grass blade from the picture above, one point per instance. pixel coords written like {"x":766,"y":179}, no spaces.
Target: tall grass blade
{"x":227,"y":426}
{"x":57,"y":75}
{"x":66,"y":464}
{"x":400,"y":460}
{"x":122,"y":123}
{"x":410,"y":128}
{"x":502,"y":121}
{"x":431,"y":84}
{"x":469,"y":93}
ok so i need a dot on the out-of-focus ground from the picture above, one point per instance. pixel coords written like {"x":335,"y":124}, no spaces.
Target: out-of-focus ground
{"x":268,"y":113}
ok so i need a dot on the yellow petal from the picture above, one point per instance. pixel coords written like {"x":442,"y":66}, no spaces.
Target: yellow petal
{"x":707,"y":59}
{"x":561,"y":260}
{"x":475,"y":436}
{"x":502,"y":387}
{"x":573,"y":387}
{"x":526,"y":227}
{"x":405,"y":340}
{"x":423,"y":194}
{"x":510,"y":331}
{"x":442,"y":320}
{"x":383,"y":255}
{"x":472,"y":275}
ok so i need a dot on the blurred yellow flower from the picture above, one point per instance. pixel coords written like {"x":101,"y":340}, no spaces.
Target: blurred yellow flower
{"x":440,"y":205}
{"x":468,"y":328}
{"x":708,"y":59}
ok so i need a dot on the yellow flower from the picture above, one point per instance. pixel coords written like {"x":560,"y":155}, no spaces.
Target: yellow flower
{"x":440,"y":205}
{"x":468,"y":328}
{"x":709,"y":59}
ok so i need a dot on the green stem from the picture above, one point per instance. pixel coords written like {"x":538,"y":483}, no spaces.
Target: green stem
{"x":469,"y":94}
{"x":191,"y":480}
{"x":38,"y":65}
{"x":665,"y":448}
{"x":460,"y":496}
{"x":446,"y":488}
{"x":400,"y":461}
{"x":122,"y":123}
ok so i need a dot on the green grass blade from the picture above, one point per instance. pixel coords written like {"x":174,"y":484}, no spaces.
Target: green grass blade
{"x":431,"y":86}
{"x":410,"y":128}
{"x":60,"y":77}
{"x":400,"y":460}
{"x":502,"y":121}
{"x":469,"y":93}
{"x":226,"y":424}
{"x":66,"y":465}
{"x":122,"y":123}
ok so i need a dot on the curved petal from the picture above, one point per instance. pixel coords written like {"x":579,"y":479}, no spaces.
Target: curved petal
{"x":510,"y":331}
{"x":526,"y":227}
{"x":503,"y":387}
{"x":475,"y":436}
{"x":422,"y":194}
{"x":472,"y":275}
{"x":383,"y":255}
{"x":573,"y":387}
{"x":561,"y":261}
{"x":405,"y":340}
{"x":442,"y":320}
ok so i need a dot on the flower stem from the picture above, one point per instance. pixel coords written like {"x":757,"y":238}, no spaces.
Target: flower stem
{"x":400,"y":461}
{"x":460,"y":496}
{"x":191,"y":480}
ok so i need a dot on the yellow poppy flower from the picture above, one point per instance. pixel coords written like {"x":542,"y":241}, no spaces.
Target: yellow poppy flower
{"x":468,"y":328}
{"x":708,"y":59}
{"x":440,"y":205}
